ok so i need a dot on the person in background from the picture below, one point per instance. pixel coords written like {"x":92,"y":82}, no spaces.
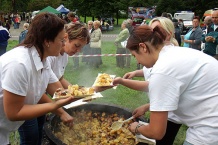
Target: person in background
{"x":164,"y":14}
{"x":7,"y":25}
{"x":181,"y":25}
{"x":177,"y":31}
{"x":186,"y":96}
{"x":86,"y":49}
{"x":211,"y":38}
{"x":96,"y":37}
{"x":71,"y":16}
{"x":22,"y":35}
{"x":168,"y":26}
{"x":24,"y":98}
{"x":128,"y":57}
{"x":4,"y":36}
{"x":193,"y":37}
{"x":122,"y":36}
{"x":207,"y":22}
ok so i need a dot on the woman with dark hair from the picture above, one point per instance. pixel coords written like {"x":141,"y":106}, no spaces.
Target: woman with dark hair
{"x":193,"y":37}
{"x":175,"y":95}
{"x":25,"y":77}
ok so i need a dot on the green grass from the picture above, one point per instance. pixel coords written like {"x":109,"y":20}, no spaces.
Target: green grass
{"x":85,"y":76}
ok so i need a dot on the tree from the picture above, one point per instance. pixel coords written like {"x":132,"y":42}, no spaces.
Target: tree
{"x":169,"y":6}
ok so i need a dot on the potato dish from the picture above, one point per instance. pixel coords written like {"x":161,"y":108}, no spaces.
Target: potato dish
{"x":73,"y":90}
{"x":103,"y":80}
{"x":92,"y":128}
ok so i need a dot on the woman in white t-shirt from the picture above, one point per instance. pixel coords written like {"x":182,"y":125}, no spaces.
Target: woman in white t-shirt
{"x":25,"y":77}
{"x":182,"y":81}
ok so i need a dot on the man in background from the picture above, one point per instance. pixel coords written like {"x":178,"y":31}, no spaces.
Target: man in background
{"x":211,"y":38}
{"x":4,"y":36}
{"x":207,"y":21}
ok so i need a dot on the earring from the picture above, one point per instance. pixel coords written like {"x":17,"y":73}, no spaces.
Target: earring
{"x":48,"y":45}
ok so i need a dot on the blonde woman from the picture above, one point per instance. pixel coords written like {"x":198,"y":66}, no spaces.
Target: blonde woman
{"x":95,"y":44}
{"x":168,"y":25}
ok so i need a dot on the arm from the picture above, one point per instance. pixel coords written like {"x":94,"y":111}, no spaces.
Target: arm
{"x":97,"y":36}
{"x":132,"y":84}
{"x":197,"y":37}
{"x":156,"y":129}
{"x":65,"y":117}
{"x":64,"y":82}
{"x":136,"y":73}
{"x":16,"y":110}
{"x":122,"y":36}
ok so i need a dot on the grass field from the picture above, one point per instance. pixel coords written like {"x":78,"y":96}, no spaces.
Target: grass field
{"x":85,"y":75}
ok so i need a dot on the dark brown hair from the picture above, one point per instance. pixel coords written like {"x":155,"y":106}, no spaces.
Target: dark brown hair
{"x":196,"y":17}
{"x":145,"y":33}
{"x":45,"y":26}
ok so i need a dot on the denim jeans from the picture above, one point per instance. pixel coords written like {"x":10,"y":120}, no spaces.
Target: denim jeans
{"x":2,"y":49}
{"x":31,"y":131}
{"x":187,"y":143}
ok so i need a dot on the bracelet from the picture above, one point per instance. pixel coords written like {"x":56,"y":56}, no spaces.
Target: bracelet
{"x":136,"y":129}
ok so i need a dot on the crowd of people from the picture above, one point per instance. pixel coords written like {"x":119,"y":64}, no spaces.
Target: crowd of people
{"x":181,"y":81}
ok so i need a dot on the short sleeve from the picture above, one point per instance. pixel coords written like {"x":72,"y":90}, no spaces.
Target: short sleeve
{"x":53,"y":77}
{"x":15,"y":78}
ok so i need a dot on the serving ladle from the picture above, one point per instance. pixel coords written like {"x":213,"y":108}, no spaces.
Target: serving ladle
{"x":118,"y":124}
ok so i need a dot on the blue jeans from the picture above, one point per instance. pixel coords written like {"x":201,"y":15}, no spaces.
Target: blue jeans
{"x":187,"y":143}
{"x":2,"y":49}
{"x":31,"y":131}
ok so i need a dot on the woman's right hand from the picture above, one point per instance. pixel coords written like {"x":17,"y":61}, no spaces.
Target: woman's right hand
{"x":140,"y":110}
{"x":129,"y":75}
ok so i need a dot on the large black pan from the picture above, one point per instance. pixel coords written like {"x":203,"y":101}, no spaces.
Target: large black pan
{"x":51,"y":125}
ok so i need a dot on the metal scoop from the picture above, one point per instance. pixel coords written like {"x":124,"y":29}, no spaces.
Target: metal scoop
{"x":118,"y":124}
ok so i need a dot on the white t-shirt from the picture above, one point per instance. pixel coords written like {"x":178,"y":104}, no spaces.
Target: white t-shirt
{"x":23,"y":73}
{"x":185,"y":81}
{"x":58,"y":64}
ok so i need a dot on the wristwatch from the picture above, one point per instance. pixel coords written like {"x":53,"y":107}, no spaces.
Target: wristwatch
{"x":136,"y":129}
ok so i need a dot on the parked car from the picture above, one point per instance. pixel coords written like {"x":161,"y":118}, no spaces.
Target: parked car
{"x":137,"y":20}
{"x":107,"y":24}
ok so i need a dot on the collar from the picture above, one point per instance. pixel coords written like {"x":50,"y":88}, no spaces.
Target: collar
{"x":37,"y":60}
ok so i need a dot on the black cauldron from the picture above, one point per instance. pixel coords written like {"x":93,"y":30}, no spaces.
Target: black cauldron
{"x":53,"y":120}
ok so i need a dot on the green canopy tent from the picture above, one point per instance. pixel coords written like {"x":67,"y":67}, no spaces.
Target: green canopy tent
{"x":50,"y":10}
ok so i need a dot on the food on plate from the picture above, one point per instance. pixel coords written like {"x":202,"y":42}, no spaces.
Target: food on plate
{"x":73,"y":90}
{"x":94,"y":128}
{"x":77,"y":90}
{"x":61,"y":93}
{"x":103,"y":80}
